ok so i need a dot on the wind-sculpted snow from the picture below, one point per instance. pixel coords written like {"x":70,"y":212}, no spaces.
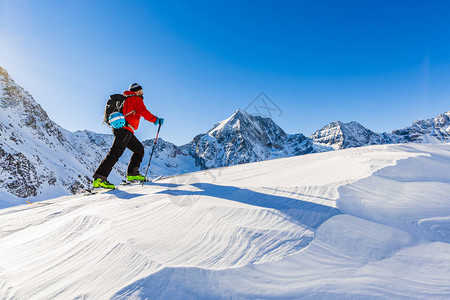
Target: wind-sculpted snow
{"x":421,"y":208}
{"x":314,"y":226}
{"x":395,"y":244}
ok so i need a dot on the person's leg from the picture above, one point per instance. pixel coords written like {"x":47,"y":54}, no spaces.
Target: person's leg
{"x":121,"y":140}
{"x":138,"y":153}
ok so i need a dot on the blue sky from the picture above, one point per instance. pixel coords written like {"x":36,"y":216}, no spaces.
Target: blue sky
{"x":382,"y":63}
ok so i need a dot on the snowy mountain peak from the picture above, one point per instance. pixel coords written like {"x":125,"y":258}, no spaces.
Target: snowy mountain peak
{"x":25,"y":130}
{"x":239,"y":113}
{"x":348,"y":135}
{"x":13,"y":96}
{"x":244,"y":138}
{"x":426,"y":131}
{"x":236,"y":122}
{"x":341,"y":135}
{"x":442,"y":120}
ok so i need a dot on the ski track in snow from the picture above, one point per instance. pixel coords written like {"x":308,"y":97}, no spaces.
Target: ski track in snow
{"x":364,"y":223}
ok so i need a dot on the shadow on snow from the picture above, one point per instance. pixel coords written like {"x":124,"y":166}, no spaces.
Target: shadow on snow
{"x":308,"y":214}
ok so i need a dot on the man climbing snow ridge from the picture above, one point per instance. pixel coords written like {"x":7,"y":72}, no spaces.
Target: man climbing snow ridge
{"x":133,"y":109}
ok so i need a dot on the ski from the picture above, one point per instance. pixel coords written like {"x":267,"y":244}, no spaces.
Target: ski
{"x":135,"y":182}
{"x":94,"y":191}
{"x":39,"y":203}
{"x":158,"y":178}
{"x":126,"y":182}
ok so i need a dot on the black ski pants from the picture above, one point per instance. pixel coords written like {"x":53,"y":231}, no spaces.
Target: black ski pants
{"x":123,"y":139}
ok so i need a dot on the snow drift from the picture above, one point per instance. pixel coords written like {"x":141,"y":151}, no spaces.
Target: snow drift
{"x":370,"y":222}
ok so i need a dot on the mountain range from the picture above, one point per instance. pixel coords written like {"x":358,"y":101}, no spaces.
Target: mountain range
{"x":39,"y":159}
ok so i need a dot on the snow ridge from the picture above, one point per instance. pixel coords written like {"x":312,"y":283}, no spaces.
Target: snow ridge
{"x":364,"y":223}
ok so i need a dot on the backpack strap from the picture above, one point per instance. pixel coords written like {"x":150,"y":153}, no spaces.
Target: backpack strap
{"x":133,"y":111}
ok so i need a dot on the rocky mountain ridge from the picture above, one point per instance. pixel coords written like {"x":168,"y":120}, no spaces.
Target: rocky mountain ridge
{"x":244,"y":138}
{"x":341,"y":135}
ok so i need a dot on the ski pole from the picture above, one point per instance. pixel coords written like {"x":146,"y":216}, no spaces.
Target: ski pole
{"x":153,"y":149}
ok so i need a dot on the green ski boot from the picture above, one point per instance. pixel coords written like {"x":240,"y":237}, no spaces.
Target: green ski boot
{"x":99,"y":183}
{"x":138,"y":177}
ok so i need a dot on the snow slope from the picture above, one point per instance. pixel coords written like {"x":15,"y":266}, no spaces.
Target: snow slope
{"x":364,"y":223}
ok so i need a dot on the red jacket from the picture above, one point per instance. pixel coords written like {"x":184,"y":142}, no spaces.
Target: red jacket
{"x":134,"y":105}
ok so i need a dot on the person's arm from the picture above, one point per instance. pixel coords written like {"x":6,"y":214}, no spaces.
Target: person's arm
{"x":140,"y":108}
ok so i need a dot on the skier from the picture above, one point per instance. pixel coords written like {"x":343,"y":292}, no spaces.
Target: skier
{"x":133,"y":109}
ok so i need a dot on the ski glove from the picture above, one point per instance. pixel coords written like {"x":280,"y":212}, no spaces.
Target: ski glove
{"x":159,"y":121}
